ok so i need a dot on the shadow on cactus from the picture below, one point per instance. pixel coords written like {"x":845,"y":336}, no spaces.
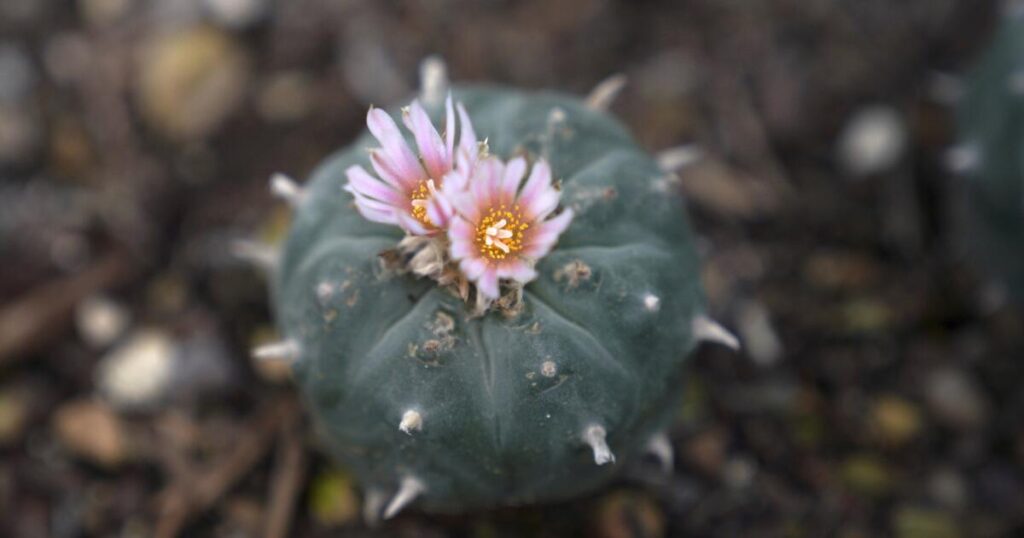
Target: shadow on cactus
{"x":493,"y":311}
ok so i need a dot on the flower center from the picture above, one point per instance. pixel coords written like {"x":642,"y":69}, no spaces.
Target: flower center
{"x":420,"y":198}
{"x":500,"y":232}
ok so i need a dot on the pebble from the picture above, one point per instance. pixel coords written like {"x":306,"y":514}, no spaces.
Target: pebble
{"x":872,"y":141}
{"x":103,"y":12}
{"x":913,"y":522}
{"x":21,"y":134}
{"x":947,"y":487}
{"x":626,"y":514}
{"x":92,"y":430}
{"x":954,"y":399}
{"x":867,"y":475}
{"x":17,"y":75}
{"x":137,"y":374}
{"x":237,"y":13}
{"x":13,"y":415}
{"x":190,"y":81}
{"x":894,"y":420}
{"x":760,"y":341}
{"x":101,"y":320}
{"x":332,"y":498}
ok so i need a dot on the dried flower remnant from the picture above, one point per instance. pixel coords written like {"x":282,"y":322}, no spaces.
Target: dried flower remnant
{"x":499,"y":232}
{"x":406,"y":189}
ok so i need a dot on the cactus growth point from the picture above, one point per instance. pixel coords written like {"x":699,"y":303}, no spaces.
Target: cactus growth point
{"x":446,"y":392}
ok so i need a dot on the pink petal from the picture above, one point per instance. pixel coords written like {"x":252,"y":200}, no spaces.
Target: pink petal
{"x":397,"y":155}
{"x":540,"y":206}
{"x":467,"y":138}
{"x":429,"y":142}
{"x":449,"y":127}
{"x":361,"y":182}
{"x":540,"y":179}
{"x":487,"y":284}
{"x":461,"y":234}
{"x":518,"y":270}
{"x":375,"y":215}
{"x":544,"y":236}
{"x":473,"y":268}
{"x":411,"y":225}
{"x":439,"y":210}
{"x":386,"y":173}
{"x":510,"y":180}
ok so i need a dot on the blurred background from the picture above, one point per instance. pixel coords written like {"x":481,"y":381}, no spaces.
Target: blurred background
{"x":880,"y":389}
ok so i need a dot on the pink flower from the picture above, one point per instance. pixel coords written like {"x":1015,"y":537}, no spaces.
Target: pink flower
{"x":500,"y":231}
{"x":406,"y":189}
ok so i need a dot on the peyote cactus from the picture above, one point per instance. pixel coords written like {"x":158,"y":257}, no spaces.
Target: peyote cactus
{"x":451,"y":354}
{"x":991,"y":122}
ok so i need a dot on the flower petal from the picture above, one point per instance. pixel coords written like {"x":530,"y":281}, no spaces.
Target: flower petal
{"x":540,"y":179}
{"x":461,"y":236}
{"x":397,"y":155}
{"x":411,"y":225}
{"x":431,"y":147}
{"x":510,"y":180}
{"x":467,"y":136}
{"x":388,"y":175}
{"x":518,"y":270}
{"x":487,"y":284}
{"x":360,"y":181}
{"x":544,"y":236}
{"x":439,"y":210}
{"x":449,"y":127}
{"x":473,"y":268}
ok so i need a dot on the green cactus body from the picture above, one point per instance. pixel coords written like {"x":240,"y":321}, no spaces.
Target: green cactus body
{"x":405,"y":384}
{"x":991,"y":121}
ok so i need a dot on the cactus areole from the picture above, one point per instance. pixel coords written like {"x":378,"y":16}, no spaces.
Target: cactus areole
{"x":513,"y":342}
{"x":991,"y":125}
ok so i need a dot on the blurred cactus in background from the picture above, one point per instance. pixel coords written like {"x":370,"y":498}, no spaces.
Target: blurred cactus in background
{"x":991,"y":124}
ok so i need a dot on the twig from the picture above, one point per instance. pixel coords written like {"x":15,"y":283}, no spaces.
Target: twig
{"x":285,"y":484}
{"x":38,"y":316}
{"x":199,"y":489}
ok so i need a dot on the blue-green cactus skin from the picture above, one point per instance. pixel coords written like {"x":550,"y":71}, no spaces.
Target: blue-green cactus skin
{"x":601,"y":339}
{"x":991,"y":123}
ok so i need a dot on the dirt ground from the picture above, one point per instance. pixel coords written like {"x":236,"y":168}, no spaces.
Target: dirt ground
{"x":879,"y":391}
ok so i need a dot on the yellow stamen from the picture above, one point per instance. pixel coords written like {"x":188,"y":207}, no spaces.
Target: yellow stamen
{"x":500,"y":232}
{"x":420,"y":199}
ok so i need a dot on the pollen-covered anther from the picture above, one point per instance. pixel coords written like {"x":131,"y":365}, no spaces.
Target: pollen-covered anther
{"x":421,"y":199}
{"x":500,"y":233}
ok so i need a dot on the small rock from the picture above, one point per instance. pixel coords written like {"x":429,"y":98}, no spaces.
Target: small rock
{"x":955,"y":399}
{"x":20,"y":134}
{"x":137,"y":374}
{"x":706,"y":451}
{"x":236,"y":13}
{"x":17,"y":76}
{"x":191,"y":80}
{"x":624,"y":514}
{"x":100,"y":320}
{"x":13,"y":415}
{"x":948,"y":488}
{"x":911,"y":522}
{"x":760,"y":340}
{"x":739,"y":473}
{"x":866,"y":475}
{"x":332,"y":499}
{"x":103,"y":12}
{"x":894,"y":420}
{"x":873,"y":141}
{"x":91,"y":430}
